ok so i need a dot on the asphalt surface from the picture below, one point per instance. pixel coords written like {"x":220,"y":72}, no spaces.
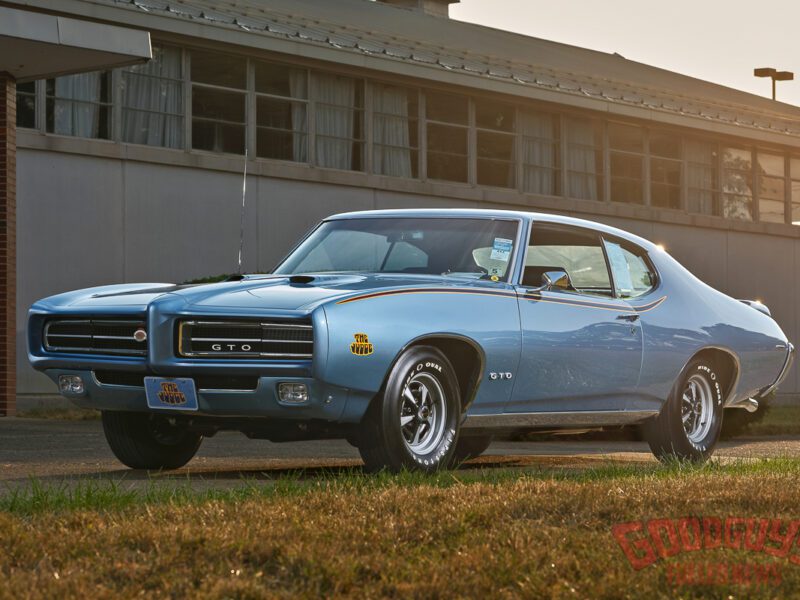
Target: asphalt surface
{"x":53,"y":450}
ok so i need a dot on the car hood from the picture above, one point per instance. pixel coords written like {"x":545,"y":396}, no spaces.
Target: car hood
{"x":253,"y":292}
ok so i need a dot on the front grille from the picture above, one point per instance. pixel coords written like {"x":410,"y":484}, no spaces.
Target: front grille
{"x":275,"y":340}
{"x":96,"y":336}
{"x":239,"y":383}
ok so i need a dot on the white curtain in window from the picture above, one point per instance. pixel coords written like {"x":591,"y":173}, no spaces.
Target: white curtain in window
{"x":391,"y":154}
{"x":76,"y":111}
{"x":335,"y":117}
{"x":700,"y":176}
{"x":538,"y":150}
{"x":298,"y":88}
{"x":581,"y":164}
{"x":154,"y":88}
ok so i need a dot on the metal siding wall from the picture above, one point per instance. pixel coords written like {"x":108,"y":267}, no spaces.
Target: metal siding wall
{"x":85,"y":221}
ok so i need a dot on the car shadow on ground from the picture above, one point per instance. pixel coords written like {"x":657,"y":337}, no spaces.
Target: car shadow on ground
{"x":210,"y":475}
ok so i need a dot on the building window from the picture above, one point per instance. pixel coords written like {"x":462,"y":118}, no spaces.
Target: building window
{"x":395,"y":126}
{"x":702,"y":175}
{"x":496,"y":141}
{"x":771,"y":188}
{"x":626,"y":143}
{"x":218,"y":102}
{"x":584,"y":156}
{"x":447,"y":120}
{"x":540,"y":153}
{"x":26,"y":104}
{"x":339,"y":121}
{"x":152,"y":100}
{"x":281,"y":112}
{"x":794,"y":171}
{"x":665,"y":170}
{"x":80,"y":105}
{"x":737,"y":184}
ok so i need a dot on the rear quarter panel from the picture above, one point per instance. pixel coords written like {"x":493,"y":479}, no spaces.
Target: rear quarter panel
{"x":695,"y":316}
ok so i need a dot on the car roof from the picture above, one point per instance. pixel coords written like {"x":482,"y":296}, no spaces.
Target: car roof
{"x":536,"y":217}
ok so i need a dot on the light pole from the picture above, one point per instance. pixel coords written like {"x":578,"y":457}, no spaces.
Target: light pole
{"x":775,"y":75}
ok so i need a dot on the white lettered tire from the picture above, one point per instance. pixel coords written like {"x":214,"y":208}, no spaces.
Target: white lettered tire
{"x":690,"y":422}
{"x":413,"y":423}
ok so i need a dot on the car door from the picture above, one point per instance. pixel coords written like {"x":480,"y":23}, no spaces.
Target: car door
{"x":582,"y":344}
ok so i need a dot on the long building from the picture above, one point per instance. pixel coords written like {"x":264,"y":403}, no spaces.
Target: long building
{"x":135,"y":174}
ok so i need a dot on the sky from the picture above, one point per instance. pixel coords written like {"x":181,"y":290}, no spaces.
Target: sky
{"x":716,"y":40}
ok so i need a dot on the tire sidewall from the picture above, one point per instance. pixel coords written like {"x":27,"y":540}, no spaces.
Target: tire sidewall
{"x":705,"y":447}
{"x":416,"y":361}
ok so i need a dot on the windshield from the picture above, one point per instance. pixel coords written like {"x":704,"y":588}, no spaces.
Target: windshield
{"x":479,"y":248}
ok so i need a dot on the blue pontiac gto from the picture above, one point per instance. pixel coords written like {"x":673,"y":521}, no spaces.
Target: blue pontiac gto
{"x":417,"y":336}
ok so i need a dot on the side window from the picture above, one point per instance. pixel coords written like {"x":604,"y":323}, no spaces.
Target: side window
{"x":578,"y":252}
{"x":632,"y":273}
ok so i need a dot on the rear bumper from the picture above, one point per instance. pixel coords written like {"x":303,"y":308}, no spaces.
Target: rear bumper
{"x":326,"y":402}
{"x":787,"y":366}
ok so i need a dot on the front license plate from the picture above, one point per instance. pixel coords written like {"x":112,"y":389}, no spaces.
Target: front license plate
{"x":170,"y":394}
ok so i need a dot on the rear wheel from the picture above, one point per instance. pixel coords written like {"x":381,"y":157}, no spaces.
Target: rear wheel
{"x":148,"y":441}
{"x":414,"y":422}
{"x":689,"y":424}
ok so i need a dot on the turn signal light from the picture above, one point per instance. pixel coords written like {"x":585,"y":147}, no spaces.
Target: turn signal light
{"x":293,"y":393}
{"x":71,"y":384}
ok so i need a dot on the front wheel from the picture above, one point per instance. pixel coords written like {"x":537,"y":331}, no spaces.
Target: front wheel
{"x":414,"y":422}
{"x":690,"y":422}
{"x":148,"y":441}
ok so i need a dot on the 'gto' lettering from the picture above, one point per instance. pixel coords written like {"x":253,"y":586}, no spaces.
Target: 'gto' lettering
{"x":231,"y":347}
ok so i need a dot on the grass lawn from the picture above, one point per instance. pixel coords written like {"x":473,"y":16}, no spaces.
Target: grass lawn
{"x":536,"y":533}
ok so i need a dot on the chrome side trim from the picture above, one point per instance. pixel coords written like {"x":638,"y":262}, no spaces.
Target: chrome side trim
{"x":558,"y":419}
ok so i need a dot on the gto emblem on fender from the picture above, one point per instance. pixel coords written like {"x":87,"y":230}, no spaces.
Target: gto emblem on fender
{"x":362,"y":345}
{"x":498,"y":376}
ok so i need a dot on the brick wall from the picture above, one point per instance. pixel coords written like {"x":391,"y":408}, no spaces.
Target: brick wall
{"x":8,"y":243}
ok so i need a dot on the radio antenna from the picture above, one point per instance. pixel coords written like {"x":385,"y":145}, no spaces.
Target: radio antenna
{"x":241,"y":216}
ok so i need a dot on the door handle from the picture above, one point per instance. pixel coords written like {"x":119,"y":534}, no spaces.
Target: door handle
{"x":629,"y":318}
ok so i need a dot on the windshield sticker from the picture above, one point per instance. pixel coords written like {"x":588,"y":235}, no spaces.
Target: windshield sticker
{"x":501,"y":250}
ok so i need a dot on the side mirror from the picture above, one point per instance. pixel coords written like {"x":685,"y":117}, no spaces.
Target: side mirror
{"x":556,"y":280}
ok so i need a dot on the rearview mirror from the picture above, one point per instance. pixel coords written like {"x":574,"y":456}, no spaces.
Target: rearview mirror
{"x":556,"y":280}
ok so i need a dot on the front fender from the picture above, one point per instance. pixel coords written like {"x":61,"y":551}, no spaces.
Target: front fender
{"x":365,"y":337}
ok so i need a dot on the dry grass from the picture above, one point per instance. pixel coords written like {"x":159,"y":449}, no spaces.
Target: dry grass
{"x":537,"y":534}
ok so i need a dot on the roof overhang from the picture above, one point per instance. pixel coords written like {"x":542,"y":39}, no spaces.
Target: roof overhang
{"x":36,"y":45}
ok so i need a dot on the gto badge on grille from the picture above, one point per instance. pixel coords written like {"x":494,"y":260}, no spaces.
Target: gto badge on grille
{"x":361,"y":346}
{"x":140,"y":335}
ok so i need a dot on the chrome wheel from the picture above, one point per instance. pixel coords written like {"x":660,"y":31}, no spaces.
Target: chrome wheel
{"x":423,"y":413}
{"x":697,"y":408}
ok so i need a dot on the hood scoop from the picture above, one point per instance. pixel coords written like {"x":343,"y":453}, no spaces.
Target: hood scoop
{"x":301,"y":279}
